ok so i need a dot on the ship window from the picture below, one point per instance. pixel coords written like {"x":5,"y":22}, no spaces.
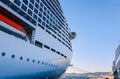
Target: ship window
{"x":33,"y":61}
{"x":45,"y":63}
{"x":41,"y":26}
{"x":46,"y":46}
{"x":21,"y":58}
{"x":40,"y":14}
{"x":62,"y":55}
{"x":31,"y":6}
{"x":42,"y":62}
{"x":36,"y":11}
{"x":51,"y":15}
{"x":50,"y":24}
{"x":51,"y":19}
{"x":58,"y":52}
{"x":32,"y":1}
{"x":28,"y":59}
{"x":29,"y":12}
{"x":48,"y":31}
{"x":39,"y":44}
{"x":44,"y":13}
{"x":2,"y":54}
{"x":26,"y":2}
{"x":45,"y":8}
{"x":63,"y":42}
{"x":59,"y":35}
{"x":47,"y":21}
{"x":38,"y":61}
{"x":53,"y":50}
{"x":24,"y":7}
{"x":13,"y":56}
{"x":48,"y":12}
{"x":35,"y":16}
{"x":59,"y":40}
{"x":38,"y":1}
{"x":17,"y":2}
{"x":41,"y":4}
{"x":39,"y":20}
{"x":65,"y":56}
{"x":54,"y":36}
{"x":43,"y":23}
{"x":48,"y":16}
{"x":41,"y":10}
{"x":36,"y":5}
{"x":44,"y":18}
{"x":53,"y":22}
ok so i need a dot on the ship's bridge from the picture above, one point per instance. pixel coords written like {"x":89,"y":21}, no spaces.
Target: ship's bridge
{"x":72,"y":35}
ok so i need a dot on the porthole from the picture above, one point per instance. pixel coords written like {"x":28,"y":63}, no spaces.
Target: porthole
{"x":28,"y":59}
{"x":38,"y":62}
{"x":3,"y":54}
{"x":33,"y":61}
{"x":13,"y":56}
{"x":45,"y":63}
{"x":42,"y":62}
{"x":21,"y":58}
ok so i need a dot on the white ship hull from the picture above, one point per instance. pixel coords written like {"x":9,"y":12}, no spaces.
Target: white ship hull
{"x":13,"y":67}
{"x":29,"y":50}
{"x":116,"y":64}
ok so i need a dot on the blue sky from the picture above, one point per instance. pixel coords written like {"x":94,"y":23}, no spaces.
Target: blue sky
{"x":97,"y":24}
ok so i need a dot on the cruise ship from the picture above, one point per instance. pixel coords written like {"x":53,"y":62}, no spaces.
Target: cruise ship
{"x":35,"y":39}
{"x":116,"y":64}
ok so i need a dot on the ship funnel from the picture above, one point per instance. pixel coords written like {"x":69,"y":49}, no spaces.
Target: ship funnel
{"x":72,"y":35}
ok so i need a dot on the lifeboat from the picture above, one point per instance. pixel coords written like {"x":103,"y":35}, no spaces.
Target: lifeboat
{"x":11,"y":23}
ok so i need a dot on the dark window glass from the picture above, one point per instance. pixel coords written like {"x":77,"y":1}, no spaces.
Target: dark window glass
{"x":53,"y":50}
{"x":31,"y":6}
{"x":17,"y":2}
{"x":54,"y":18}
{"x":50,"y":24}
{"x":24,"y":7}
{"x":58,"y":52}
{"x":26,"y":2}
{"x":40,"y":14}
{"x":41,"y":4}
{"x":29,"y":12}
{"x":39,"y":44}
{"x":43,"y":23}
{"x":48,"y":31}
{"x":44,"y":13}
{"x":38,"y":1}
{"x":47,"y":21}
{"x":32,"y":1}
{"x":53,"y":22}
{"x":54,"y":36}
{"x":35,"y":16}
{"x":41,"y":10}
{"x":44,"y":18}
{"x":46,"y":46}
{"x":48,"y":16}
{"x":62,"y":55}
{"x":51,"y":15}
{"x":36,"y":11}
{"x":36,"y":5}
{"x":39,"y":20}
{"x":45,"y":8}
{"x":51,"y":19}
{"x":48,"y":12}
{"x":41,"y":26}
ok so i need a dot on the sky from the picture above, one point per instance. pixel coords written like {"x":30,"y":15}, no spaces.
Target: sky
{"x":97,"y":24}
